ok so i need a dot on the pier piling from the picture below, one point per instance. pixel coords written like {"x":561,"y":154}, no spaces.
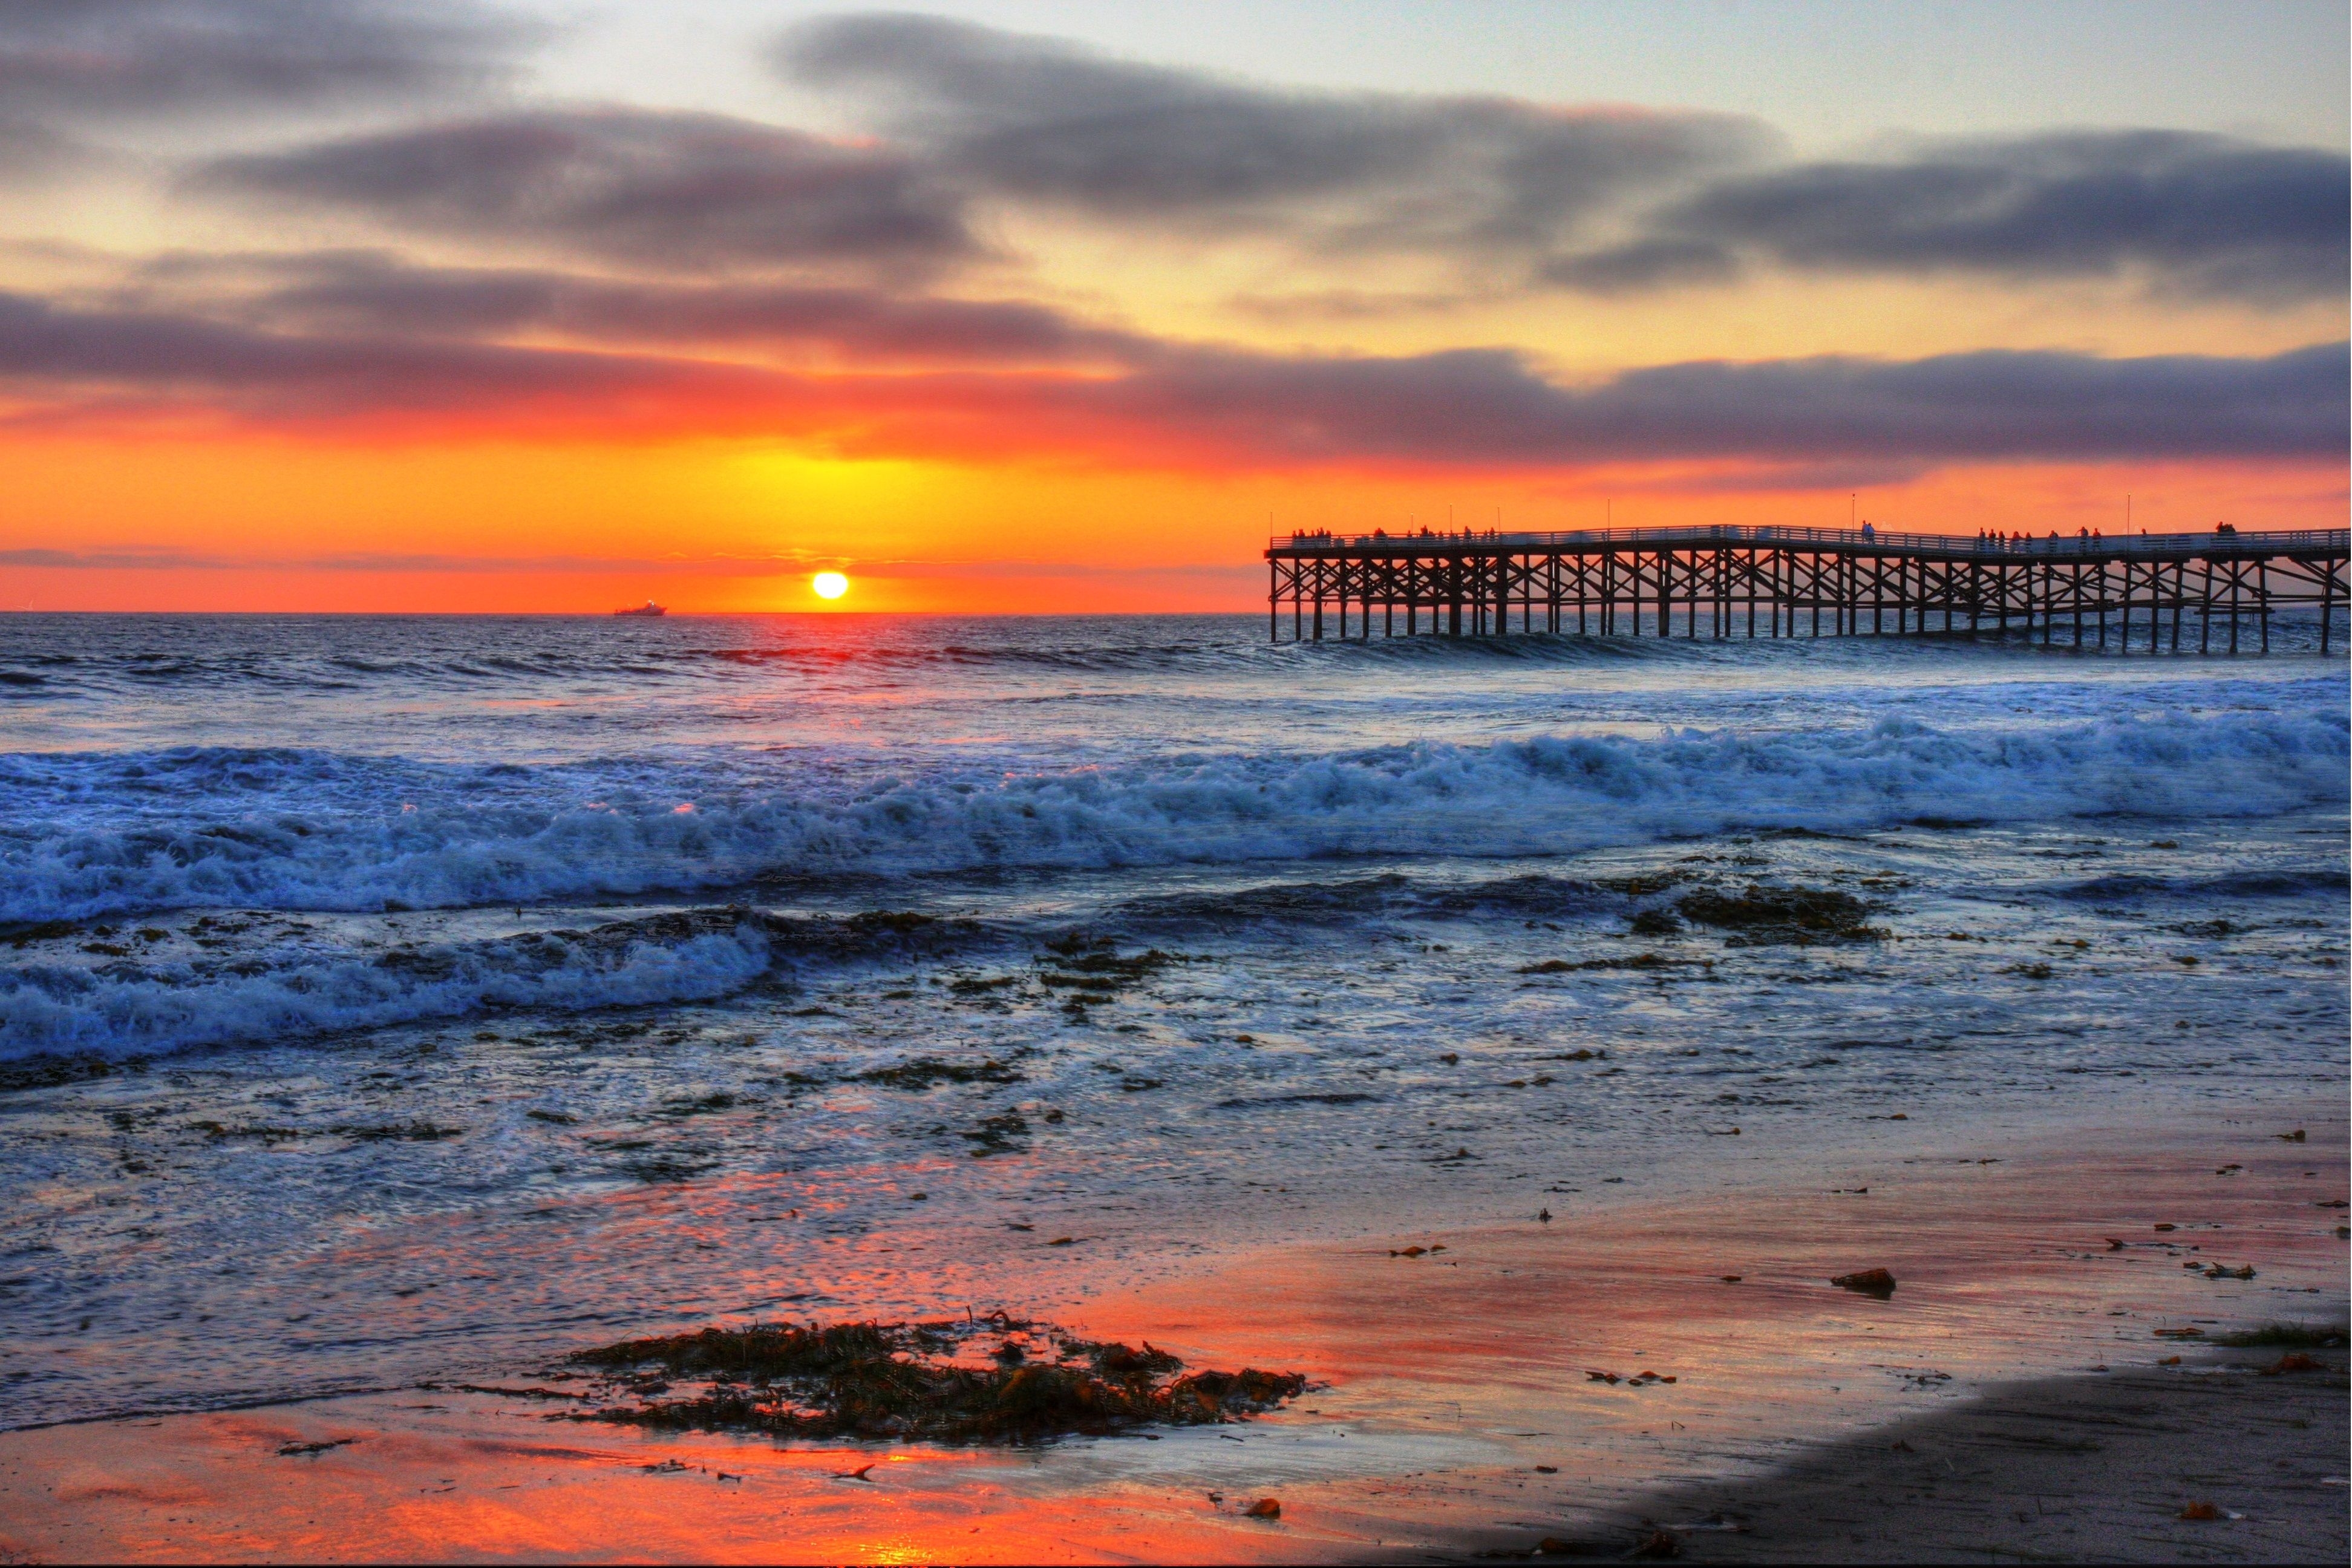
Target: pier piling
{"x":1612,"y":579}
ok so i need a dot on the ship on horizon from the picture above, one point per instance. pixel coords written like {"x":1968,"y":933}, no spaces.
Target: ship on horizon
{"x":647,"y":608}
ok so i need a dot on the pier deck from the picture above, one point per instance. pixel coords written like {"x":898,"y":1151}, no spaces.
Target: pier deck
{"x":2152,"y":591}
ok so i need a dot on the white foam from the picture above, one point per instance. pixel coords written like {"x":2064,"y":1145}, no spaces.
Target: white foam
{"x":300,"y":994}
{"x":441,"y":839}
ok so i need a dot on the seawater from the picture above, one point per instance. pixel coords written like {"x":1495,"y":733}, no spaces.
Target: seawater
{"x":384,"y":999}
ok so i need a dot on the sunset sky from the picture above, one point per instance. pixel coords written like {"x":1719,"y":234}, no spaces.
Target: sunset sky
{"x":382,"y":306}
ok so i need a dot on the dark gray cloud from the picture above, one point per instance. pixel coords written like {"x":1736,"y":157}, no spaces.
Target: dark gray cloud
{"x":108,"y":363}
{"x":1645,"y":264}
{"x":2192,"y":213}
{"x":375,"y":292}
{"x":1487,"y":405}
{"x":80,"y":59}
{"x":1183,"y":404}
{"x":1044,"y":120}
{"x":665,"y":189}
{"x":1499,"y":183}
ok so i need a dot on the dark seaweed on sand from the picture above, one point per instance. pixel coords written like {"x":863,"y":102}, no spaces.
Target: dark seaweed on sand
{"x":909,"y":1381}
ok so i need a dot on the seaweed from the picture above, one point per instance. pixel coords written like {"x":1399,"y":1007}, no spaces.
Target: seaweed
{"x":381,"y":1133}
{"x":927,"y":1072}
{"x":1800,"y":916}
{"x":1642,"y":884}
{"x":679,"y":1108}
{"x":1092,"y":967}
{"x":1639,"y":961}
{"x":665,"y":1168}
{"x":917,"y":1382}
{"x":21,"y":933}
{"x":399,"y":1132}
{"x":220,"y":1133}
{"x":48,"y":1072}
{"x":974,"y":986}
{"x":997,"y":1135}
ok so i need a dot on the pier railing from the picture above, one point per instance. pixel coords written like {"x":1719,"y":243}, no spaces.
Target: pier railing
{"x":2277,"y":541}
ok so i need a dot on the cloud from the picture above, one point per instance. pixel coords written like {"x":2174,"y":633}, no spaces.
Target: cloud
{"x":83,"y":59}
{"x":31,"y":152}
{"x":95,"y":366}
{"x":375,"y":292}
{"x":664,"y":189}
{"x":1500,"y":185}
{"x":1041,"y":120}
{"x":2199,"y":215}
{"x":1182,"y":405}
{"x":1489,"y":407}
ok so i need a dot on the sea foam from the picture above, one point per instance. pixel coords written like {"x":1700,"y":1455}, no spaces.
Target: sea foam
{"x":103,"y":835}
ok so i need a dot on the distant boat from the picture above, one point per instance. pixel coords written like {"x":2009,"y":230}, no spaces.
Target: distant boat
{"x":647,"y":608}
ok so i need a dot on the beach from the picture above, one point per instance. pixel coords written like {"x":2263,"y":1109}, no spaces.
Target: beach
{"x":1512,"y":1042}
{"x":2026,"y":1362}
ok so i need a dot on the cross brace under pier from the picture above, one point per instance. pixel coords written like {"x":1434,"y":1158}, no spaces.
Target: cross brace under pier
{"x":2214,"y":592}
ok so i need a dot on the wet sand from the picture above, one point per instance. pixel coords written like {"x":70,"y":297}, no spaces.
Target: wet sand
{"x":2096,"y":1468}
{"x":1458,"y":1413}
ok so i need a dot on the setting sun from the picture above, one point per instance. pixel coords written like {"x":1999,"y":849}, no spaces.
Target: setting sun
{"x":829,"y":584}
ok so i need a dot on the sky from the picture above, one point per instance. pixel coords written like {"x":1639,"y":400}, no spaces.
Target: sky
{"x":395,"y":306}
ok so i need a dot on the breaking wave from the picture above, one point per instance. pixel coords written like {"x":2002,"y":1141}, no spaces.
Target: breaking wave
{"x":92,"y":834}
{"x":283,"y":984}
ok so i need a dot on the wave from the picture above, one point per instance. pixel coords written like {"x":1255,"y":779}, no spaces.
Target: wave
{"x":289,"y":989}
{"x":290,"y":829}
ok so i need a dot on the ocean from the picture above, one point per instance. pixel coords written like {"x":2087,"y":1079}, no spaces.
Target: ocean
{"x":392,"y":999}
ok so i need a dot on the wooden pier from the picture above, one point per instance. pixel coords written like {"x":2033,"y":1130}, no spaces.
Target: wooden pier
{"x":2164,"y":593}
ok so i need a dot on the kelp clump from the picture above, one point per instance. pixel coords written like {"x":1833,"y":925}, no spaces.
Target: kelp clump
{"x":933,"y":1382}
{"x":1761,"y":915}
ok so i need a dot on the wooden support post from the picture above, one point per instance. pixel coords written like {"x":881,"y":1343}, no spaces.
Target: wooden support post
{"x":2326,"y":603}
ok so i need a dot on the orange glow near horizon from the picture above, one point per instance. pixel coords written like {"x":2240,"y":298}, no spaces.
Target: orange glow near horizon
{"x":707,"y":526}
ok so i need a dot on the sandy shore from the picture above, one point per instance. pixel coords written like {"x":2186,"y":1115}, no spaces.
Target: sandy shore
{"x":2098,"y":1467}
{"x":1457,"y":1410}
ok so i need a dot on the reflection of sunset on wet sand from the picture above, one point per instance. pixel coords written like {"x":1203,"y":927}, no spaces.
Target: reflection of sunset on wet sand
{"x":1455,"y":1404}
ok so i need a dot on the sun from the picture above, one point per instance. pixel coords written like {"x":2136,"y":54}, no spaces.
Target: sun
{"x":829,"y":584}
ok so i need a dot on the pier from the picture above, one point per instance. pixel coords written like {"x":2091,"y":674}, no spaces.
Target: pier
{"x":2162,"y":592}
